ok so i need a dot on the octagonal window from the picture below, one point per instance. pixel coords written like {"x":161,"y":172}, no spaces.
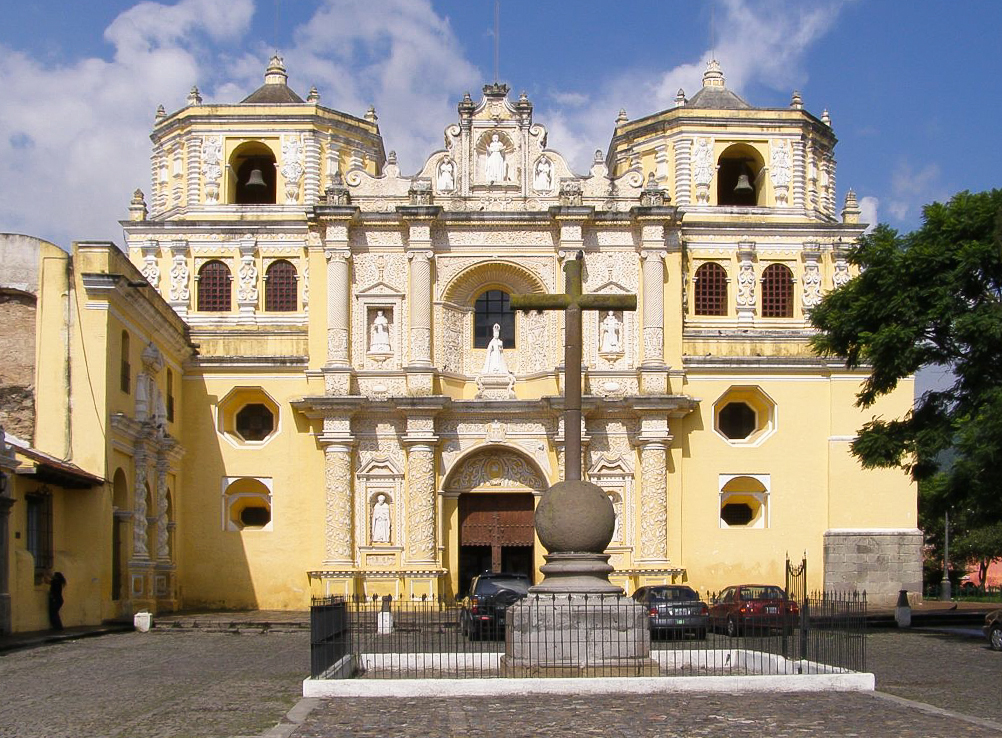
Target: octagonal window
{"x":744,"y":415}
{"x":255,"y":422}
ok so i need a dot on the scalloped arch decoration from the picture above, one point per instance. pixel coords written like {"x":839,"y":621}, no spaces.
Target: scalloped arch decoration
{"x":466,"y":285}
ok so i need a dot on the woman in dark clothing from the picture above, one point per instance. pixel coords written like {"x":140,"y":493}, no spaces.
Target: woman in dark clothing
{"x":56,"y":599}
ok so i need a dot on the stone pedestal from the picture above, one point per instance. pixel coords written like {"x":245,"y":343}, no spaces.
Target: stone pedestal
{"x":577,"y":635}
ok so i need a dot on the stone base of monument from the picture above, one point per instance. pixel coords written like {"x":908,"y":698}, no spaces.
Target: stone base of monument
{"x":571,"y":635}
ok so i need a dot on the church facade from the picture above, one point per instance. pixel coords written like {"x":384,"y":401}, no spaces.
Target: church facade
{"x":332,"y":395}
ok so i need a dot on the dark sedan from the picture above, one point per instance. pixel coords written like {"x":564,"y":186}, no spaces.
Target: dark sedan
{"x":491,"y":594}
{"x":752,"y":609}
{"x":674,"y":609}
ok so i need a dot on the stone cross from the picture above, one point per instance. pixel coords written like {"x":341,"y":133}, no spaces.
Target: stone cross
{"x":573,"y":302}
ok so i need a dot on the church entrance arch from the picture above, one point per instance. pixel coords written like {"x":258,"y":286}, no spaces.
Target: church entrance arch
{"x":496,"y":490}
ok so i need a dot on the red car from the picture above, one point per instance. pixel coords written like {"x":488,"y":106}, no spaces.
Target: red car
{"x":752,"y":609}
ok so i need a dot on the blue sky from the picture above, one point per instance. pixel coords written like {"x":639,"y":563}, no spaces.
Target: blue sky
{"x":913,"y":89}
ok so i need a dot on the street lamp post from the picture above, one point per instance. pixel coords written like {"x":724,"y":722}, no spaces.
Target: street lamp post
{"x":945,"y":592}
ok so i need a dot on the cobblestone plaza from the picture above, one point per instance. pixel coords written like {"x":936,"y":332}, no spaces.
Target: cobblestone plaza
{"x":244,"y":683}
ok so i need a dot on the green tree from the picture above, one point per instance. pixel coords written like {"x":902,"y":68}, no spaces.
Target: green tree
{"x":932,"y":297}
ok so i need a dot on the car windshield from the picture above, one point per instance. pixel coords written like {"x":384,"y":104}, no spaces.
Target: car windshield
{"x":762,"y":593}
{"x":493,"y":586}
{"x":674,"y":594}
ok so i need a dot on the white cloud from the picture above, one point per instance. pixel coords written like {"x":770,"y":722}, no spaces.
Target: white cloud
{"x":911,"y":189}
{"x":763,"y":41}
{"x":74,"y":139}
{"x":868,"y":209}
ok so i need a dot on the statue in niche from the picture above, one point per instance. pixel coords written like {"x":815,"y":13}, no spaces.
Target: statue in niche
{"x":379,"y":338}
{"x":381,"y":520}
{"x":543,"y":179}
{"x":617,"y":506}
{"x":496,"y":169}
{"x":610,"y":341}
{"x":446,"y":176}
{"x":494,"y":361}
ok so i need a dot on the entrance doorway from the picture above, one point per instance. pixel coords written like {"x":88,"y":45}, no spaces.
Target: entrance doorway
{"x":495,"y":534}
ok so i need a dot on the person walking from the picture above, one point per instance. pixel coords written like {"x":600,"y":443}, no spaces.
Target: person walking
{"x":56,"y":585}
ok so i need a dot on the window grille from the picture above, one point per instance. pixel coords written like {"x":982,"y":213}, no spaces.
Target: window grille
{"x":777,"y":292}
{"x":711,"y":289}
{"x":492,"y":307}
{"x":126,"y":367}
{"x":214,"y":287}
{"x":280,"y":287}
{"x":38,"y":506}
{"x":170,"y":396}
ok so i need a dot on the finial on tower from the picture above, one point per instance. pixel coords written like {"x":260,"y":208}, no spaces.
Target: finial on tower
{"x":314,"y":96}
{"x":275,"y":73}
{"x":796,"y":101}
{"x":680,"y":98}
{"x":194,"y":97}
{"x":850,"y":211}
{"x":713,"y":76}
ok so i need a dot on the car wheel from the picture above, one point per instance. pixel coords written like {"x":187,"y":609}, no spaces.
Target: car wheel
{"x":995,"y":638}
{"x":732,"y":629}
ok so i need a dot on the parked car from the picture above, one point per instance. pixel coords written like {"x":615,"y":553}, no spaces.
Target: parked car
{"x":752,"y":608}
{"x":993,"y":629}
{"x":674,"y":609}
{"x":491,"y":594}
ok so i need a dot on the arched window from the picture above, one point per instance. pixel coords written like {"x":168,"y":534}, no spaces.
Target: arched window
{"x":280,"y":287}
{"x":126,"y":366}
{"x":710,"y":287}
{"x":214,"y":287}
{"x":492,"y":307}
{"x":777,"y":292}
{"x":253,"y":170}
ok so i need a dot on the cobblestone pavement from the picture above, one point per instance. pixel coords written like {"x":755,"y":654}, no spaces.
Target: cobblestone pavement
{"x":153,"y":685}
{"x":220,"y":685}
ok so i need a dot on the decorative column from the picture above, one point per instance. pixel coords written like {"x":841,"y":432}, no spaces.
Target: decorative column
{"x":799,"y":174}
{"x":419,"y":368}
{"x":654,"y":441}
{"x":151,"y":263}
{"x":420,"y":440}
{"x":338,"y":543}
{"x":247,"y":286}
{"x":812,"y":276}
{"x":163,"y":544}
{"x":683,"y":172}
{"x":311,"y":182}
{"x":193,"y":147}
{"x":180,"y":278}
{"x":746,"y":299}
{"x":139,"y":511}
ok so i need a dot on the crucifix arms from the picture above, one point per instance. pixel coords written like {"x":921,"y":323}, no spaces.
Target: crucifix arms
{"x":573,"y":297}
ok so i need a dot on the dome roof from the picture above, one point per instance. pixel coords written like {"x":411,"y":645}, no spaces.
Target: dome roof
{"x":715,"y":94}
{"x":275,"y":90}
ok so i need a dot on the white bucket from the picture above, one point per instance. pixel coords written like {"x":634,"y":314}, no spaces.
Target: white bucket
{"x":142,"y":621}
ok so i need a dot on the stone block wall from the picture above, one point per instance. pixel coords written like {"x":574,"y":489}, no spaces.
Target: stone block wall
{"x":878,"y":561}
{"x":17,"y":370}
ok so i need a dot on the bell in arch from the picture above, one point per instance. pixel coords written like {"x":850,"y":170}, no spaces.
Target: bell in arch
{"x":256,"y":178}
{"x":743,"y":187}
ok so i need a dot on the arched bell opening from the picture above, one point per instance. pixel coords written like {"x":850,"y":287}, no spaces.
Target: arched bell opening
{"x":740,"y":177}
{"x":253,"y":175}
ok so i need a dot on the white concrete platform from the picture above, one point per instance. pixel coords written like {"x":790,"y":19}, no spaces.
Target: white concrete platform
{"x":330,"y":688}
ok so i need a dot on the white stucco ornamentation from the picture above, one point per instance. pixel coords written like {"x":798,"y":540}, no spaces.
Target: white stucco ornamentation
{"x":179,"y":275}
{"x":292,"y":168}
{"x":421,"y":503}
{"x":247,"y":289}
{"x":779,"y":171}
{"x":812,"y":284}
{"x":337,"y":517}
{"x":653,"y":502}
{"x":212,"y":170}
{"x":702,"y":169}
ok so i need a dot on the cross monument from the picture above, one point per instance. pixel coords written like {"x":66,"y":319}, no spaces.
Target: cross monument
{"x":574,"y":519}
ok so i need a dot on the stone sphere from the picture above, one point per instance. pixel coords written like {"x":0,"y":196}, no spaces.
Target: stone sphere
{"x":575,"y":517}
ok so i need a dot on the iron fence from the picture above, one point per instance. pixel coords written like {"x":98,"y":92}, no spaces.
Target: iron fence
{"x":559,"y":636}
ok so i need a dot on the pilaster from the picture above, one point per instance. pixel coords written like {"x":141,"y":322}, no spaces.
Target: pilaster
{"x":657,"y":229}
{"x":180,"y":278}
{"x":247,"y":284}
{"x":746,"y":299}
{"x":419,"y":368}
{"x":420,"y":440}
{"x":653,"y":442}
